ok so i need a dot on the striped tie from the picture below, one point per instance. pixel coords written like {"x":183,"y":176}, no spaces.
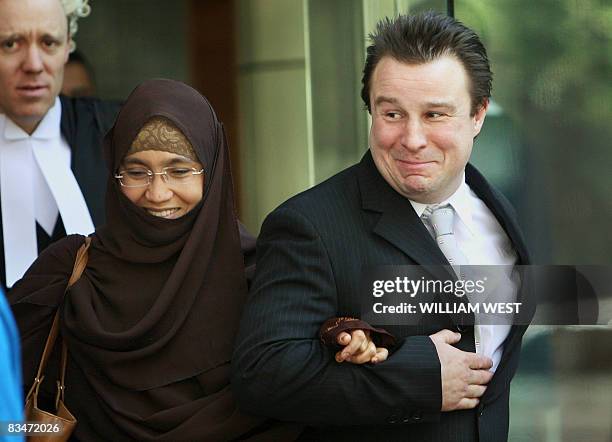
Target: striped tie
{"x":441,"y":218}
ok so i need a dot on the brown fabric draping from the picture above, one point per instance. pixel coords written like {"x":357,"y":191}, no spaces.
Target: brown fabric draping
{"x":150,"y":325}
{"x":331,"y":329}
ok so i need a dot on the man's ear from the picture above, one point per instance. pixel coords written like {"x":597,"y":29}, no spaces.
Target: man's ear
{"x":68,"y":47}
{"x":69,"y":43}
{"x":480,"y":115}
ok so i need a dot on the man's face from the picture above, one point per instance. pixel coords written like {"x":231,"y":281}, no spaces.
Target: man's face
{"x":422,"y":131}
{"x":33,"y":50}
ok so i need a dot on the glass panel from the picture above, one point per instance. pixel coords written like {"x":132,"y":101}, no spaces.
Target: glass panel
{"x":336,"y":60}
{"x":124,"y":54}
{"x":337,"y":41}
{"x":273,"y":127}
{"x":547,"y":145}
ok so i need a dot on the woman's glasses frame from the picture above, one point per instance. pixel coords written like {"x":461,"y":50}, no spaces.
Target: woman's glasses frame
{"x":170,"y":176}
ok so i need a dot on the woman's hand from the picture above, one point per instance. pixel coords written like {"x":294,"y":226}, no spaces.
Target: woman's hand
{"x":359,"y":348}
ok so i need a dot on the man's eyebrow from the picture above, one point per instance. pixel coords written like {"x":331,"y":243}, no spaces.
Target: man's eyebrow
{"x":5,"y":35}
{"x":383,"y":99}
{"x":441,"y":104}
{"x":431,"y":104}
{"x":57,"y":35}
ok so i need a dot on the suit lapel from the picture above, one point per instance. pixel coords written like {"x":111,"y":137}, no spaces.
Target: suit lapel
{"x":400,"y":226}
{"x":67,"y":124}
{"x":398,"y":222}
{"x":502,"y":211}
{"x":500,"y":208}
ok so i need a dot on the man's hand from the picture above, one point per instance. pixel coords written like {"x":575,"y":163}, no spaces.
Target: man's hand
{"x":464,"y":374}
{"x":359,"y":348}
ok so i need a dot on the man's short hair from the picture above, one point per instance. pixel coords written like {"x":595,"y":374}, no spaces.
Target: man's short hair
{"x":424,"y":37}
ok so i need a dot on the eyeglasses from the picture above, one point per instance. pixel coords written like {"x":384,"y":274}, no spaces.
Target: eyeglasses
{"x":142,"y":177}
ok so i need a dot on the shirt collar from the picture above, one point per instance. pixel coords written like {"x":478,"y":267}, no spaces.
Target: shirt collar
{"x":460,"y":201}
{"x":419,"y":208}
{"x":48,"y":128}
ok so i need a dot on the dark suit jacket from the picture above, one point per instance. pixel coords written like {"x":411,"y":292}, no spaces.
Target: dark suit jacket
{"x":310,"y":255}
{"x":84,"y":123}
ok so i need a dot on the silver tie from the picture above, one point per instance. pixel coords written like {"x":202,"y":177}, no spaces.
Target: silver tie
{"x":441,"y":219}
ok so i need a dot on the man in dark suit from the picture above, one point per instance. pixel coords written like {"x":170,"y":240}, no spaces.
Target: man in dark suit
{"x":426,"y":84}
{"x":52,"y":174}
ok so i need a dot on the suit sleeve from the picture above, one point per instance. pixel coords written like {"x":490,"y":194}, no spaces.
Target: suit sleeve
{"x":282,"y":370}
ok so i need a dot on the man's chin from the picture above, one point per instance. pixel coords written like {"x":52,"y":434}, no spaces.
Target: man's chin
{"x":32,"y":109}
{"x":417,"y":186}
{"x":418,"y":192}
{"x":28,"y":117}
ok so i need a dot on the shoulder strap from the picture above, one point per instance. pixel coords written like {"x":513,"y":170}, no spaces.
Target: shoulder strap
{"x":79,"y":265}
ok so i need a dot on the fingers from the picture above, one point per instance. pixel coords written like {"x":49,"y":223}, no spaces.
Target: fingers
{"x":343,"y":338}
{"x":467,"y":404}
{"x":480,"y":377}
{"x":479,"y":362}
{"x":475,"y":391}
{"x":372,"y":354}
{"x":364,"y":356}
{"x":365,"y":345}
{"x":358,"y":344}
{"x":381,"y":355}
{"x":465,"y":375}
{"x":445,"y":336}
{"x":460,"y":393}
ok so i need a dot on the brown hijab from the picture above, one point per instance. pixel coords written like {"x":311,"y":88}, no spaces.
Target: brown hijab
{"x":150,"y":325}
{"x":161,"y":298}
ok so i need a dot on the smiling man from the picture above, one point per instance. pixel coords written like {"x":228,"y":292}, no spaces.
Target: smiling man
{"x":426,"y":84}
{"x":48,"y":186}
{"x":423,"y":126}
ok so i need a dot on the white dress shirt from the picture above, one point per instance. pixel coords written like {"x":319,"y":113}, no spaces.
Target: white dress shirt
{"x":36,"y":185}
{"x":483,"y":241}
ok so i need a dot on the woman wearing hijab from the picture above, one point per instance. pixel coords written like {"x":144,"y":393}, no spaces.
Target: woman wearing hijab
{"x":150,"y":324}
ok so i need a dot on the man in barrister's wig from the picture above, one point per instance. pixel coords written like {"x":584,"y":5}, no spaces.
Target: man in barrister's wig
{"x":52,"y":175}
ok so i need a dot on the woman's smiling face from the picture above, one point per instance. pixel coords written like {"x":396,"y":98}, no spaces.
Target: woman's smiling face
{"x":160,"y":198}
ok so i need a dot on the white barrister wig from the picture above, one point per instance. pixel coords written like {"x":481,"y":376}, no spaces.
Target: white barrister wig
{"x":74,"y":10}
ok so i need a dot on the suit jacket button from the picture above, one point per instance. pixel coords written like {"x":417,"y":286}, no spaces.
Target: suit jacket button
{"x":461,"y":328}
{"x":414,"y":417}
{"x":393,"y":419}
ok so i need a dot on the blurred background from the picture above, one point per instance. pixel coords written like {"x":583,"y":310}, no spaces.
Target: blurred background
{"x":285,"y":76}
